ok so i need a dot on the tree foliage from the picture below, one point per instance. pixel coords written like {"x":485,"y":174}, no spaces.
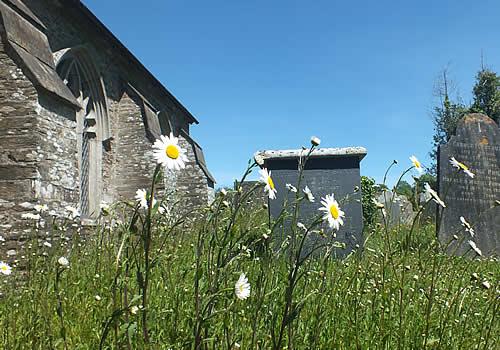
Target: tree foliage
{"x":368,"y":191}
{"x":486,"y":92}
{"x":445,"y":117}
{"x":405,"y":189}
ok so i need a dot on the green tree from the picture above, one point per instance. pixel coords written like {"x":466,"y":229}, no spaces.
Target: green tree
{"x":486,"y":93}
{"x":430,"y":179}
{"x":445,"y":117}
{"x":368,"y":193}
{"x":405,"y":189}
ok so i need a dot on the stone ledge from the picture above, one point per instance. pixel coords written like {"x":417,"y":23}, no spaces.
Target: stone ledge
{"x":360,"y":152}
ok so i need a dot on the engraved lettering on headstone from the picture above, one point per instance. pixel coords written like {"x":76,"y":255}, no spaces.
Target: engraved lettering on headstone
{"x":476,"y":144}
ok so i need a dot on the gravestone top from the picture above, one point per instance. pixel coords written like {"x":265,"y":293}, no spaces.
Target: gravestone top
{"x":328,"y":170}
{"x":359,"y":152}
{"x":477,"y":145}
{"x":398,"y":208}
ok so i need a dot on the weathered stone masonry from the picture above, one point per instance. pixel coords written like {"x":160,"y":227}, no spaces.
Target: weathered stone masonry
{"x":79,"y":114}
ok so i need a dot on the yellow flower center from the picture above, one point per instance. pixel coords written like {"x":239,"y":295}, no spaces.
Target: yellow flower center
{"x":334,"y":211}
{"x":417,"y":164}
{"x":172,"y":152}
{"x":270,"y":182}
{"x":463,"y":166}
{"x":4,"y":268}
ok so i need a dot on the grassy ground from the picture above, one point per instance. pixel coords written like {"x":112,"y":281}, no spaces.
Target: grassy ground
{"x":390,"y":296}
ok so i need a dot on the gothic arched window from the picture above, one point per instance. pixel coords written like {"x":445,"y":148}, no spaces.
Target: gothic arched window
{"x":92,"y":127}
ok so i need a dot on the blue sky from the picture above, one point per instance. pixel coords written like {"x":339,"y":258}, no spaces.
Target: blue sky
{"x":269,"y":74}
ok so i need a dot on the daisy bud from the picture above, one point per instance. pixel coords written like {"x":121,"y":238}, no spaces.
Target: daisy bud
{"x":486,"y":285}
{"x":258,"y":159}
{"x":474,"y":276}
{"x":63,"y":261}
{"x":223,"y":192}
{"x":301,"y":226}
{"x":315,"y":141}
{"x":98,"y":298}
{"x":265,"y":206}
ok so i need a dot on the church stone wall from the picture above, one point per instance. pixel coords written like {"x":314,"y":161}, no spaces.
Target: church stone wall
{"x":39,"y":159}
{"x":18,"y":156}
{"x":133,"y":163}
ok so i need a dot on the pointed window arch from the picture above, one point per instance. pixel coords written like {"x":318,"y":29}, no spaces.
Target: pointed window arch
{"x":92,"y":127}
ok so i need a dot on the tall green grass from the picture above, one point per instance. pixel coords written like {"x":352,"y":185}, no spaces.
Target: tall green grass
{"x":147,"y":279}
{"x":380,"y":299}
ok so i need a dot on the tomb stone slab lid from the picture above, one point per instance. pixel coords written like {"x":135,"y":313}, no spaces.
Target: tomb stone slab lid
{"x":360,"y":152}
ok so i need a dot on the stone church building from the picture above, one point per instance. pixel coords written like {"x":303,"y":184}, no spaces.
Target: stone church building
{"x":79,"y":114}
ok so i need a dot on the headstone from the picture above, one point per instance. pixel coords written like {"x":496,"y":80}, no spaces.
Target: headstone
{"x":399,"y":210}
{"x":428,"y":214}
{"x":328,"y":170}
{"x":477,"y":145}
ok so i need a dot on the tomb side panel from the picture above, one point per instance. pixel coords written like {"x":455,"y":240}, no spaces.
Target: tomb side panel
{"x":322,"y":182}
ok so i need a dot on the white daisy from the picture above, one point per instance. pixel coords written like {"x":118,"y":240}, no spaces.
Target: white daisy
{"x":142,"y":197}
{"x":5,"y":269}
{"x":63,"y":261}
{"x":468,"y":227}
{"x":434,"y":195}
{"x":134,"y":309}
{"x":291,"y":188}
{"x":104,"y":206}
{"x":461,"y":166}
{"x":31,"y":216}
{"x":417,"y":164}
{"x":265,"y":177}
{"x":308,"y":194}
{"x":41,"y":208}
{"x":242,"y":287}
{"x":475,"y":248}
{"x":73,"y":211}
{"x":378,"y":204}
{"x":168,"y":153}
{"x":333,"y":214}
